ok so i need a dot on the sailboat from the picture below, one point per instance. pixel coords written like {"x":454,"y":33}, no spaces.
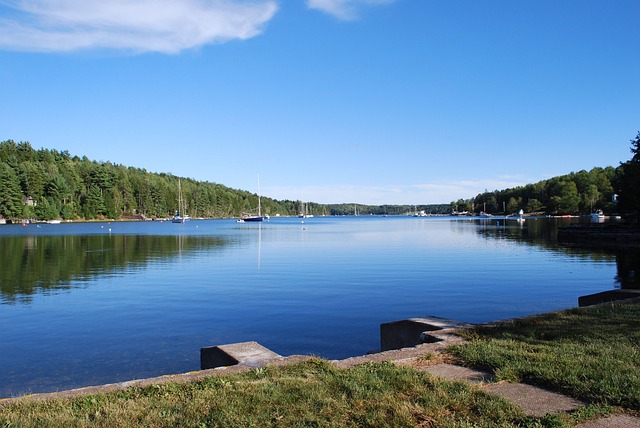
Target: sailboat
{"x":254,"y":218}
{"x":304,"y":209}
{"x":181,"y":216}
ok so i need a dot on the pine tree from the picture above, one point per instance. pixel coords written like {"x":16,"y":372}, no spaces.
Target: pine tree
{"x":629,"y":181}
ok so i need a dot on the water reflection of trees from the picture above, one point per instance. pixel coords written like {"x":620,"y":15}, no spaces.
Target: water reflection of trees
{"x":543,"y":232}
{"x":33,"y":265}
{"x":628,"y":264}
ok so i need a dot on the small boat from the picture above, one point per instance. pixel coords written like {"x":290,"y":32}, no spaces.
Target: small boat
{"x":54,"y":222}
{"x":597,"y":216}
{"x":181,"y":215}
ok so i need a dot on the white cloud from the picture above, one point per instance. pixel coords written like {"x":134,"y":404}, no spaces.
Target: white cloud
{"x":343,"y":9}
{"x":166,"y":26}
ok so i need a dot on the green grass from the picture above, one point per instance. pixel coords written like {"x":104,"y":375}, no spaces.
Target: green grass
{"x":311,"y":394}
{"x":590,"y":353}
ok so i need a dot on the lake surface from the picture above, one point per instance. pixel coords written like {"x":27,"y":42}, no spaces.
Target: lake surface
{"x":92,"y":303}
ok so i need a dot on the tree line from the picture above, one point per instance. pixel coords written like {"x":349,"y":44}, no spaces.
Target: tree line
{"x":613,"y":190}
{"x":577,"y":192}
{"x":49,"y":184}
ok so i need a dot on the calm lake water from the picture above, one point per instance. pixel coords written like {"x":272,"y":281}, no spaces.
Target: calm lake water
{"x":92,"y":303}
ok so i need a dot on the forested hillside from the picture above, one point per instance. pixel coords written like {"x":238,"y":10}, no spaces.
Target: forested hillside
{"x":48,"y":184}
{"x":574,"y":193}
{"x":613,"y":190}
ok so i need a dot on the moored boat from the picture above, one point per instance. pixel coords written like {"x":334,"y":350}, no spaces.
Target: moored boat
{"x":253,"y":218}
{"x":181,"y":215}
{"x":597,"y":216}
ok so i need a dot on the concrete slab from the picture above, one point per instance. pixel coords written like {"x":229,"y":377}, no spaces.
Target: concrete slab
{"x":532,"y":400}
{"x":250,"y":354}
{"x":453,"y":372}
{"x":414,"y":331}
{"x":614,"y":421}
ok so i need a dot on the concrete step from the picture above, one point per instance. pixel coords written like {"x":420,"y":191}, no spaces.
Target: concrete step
{"x":250,"y":354}
{"x":532,"y":400}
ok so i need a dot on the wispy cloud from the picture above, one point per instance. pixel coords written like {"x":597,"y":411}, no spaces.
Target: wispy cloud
{"x":343,"y":9}
{"x":167,"y":26}
{"x":410,"y":194}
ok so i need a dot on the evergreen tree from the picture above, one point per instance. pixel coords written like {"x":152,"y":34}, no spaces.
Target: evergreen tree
{"x":629,"y":181}
{"x":10,"y":192}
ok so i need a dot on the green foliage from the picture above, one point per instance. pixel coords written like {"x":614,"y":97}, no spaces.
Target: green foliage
{"x":628,"y":183}
{"x":574,"y":193}
{"x":10,"y":192}
{"x":66,"y":187}
{"x":577,"y":192}
{"x":564,"y":197}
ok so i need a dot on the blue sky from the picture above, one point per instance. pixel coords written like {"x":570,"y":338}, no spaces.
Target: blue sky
{"x":367,"y":101}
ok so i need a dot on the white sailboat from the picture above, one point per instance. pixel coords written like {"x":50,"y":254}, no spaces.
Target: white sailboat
{"x":181,"y":215}
{"x":303,"y":209}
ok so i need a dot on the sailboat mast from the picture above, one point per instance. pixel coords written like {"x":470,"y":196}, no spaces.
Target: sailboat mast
{"x":180,"y":211}
{"x":259,"y":211}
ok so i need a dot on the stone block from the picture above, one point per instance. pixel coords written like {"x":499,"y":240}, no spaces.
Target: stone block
{"x":413,"y":331}
{"x":245,"y":353}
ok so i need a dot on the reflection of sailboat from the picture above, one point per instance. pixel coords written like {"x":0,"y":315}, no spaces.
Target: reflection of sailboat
{"x":259,"y":243}
{"x":258,"y":217}
{"x":181,"y":216}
